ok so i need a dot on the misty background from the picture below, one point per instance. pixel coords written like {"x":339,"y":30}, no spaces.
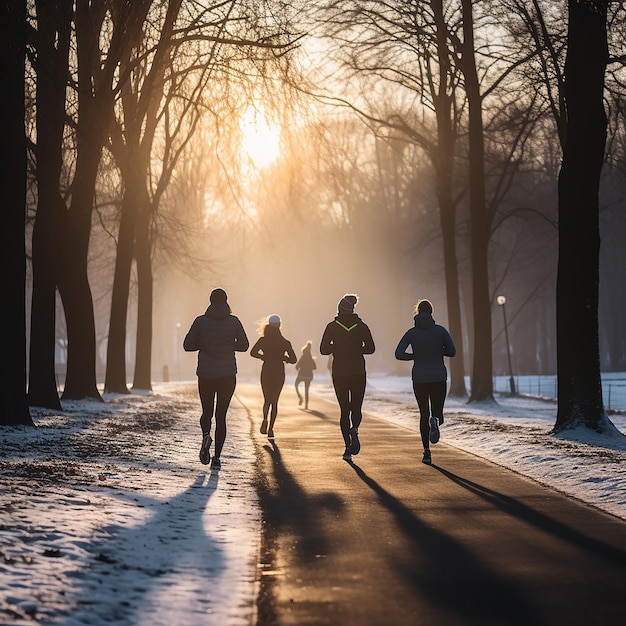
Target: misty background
{"x":332,"y":200}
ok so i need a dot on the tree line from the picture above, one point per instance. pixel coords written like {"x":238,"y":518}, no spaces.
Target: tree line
{"x":499,"y":98}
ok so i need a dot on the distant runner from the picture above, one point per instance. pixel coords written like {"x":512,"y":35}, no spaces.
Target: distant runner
{"x":306,"y":366}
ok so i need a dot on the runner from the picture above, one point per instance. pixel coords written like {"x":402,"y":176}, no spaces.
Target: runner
{"x":216,"y":335}
{"x":274,"y":350}
{"x":347,"y":338}
{"x":429,"y":344}
{"x":305,"y":366}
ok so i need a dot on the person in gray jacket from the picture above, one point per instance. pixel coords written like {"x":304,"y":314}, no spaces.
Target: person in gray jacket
{"x":429,"y":343}
{"x":216,"y":335}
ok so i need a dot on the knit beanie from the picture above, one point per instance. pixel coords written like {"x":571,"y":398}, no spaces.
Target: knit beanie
{"x":347,"y":303}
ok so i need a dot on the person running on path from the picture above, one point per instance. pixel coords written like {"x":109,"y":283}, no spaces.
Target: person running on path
{"x":429,"y":343}
{"x":274,"y":350}
{"x":305,"y":366}
{"x":348,"y":338}
{"x":216,"y":335}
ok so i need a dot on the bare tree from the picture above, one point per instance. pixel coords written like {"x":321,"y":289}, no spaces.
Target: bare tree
{"x":50,"y":59}
{"x":121,"y":25}
{"x":174,"y":84}
{"x":131,"y":144}
{"x":579,"y":382}
{"x":13,"y":401}
{"x":409,"y":46}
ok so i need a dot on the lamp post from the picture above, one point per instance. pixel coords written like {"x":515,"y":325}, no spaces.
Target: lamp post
{"x":501,"y":300}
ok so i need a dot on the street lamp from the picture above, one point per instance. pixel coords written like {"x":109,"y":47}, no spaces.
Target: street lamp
{"x":501,"y":300}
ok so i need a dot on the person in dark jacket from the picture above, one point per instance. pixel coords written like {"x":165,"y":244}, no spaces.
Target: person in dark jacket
{"x":305,"y":366}
{"x":216,"y":335}
{"x":274,"y":350}
{"x":347,"y":338}
{"x":429,"y":343}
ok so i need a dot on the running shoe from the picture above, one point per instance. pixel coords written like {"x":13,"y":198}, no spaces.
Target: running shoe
{"x":216,"y":462}
{"x":347,"y":455}
{"x":205,"y":453}
{"x":427,"y":458}
{"x":355,"y":446}
{"x":434,"y":430}
{"x":270,"y":433}
{"x":264,"y":427}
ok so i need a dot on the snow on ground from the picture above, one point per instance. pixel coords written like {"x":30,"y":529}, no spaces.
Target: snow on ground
{"x":106,"y":515}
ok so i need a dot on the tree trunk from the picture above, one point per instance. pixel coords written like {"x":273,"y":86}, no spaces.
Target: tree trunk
{"x":143,"y":251}
{"x":13,"y":399}
{"x":73,"y":275}
{"x":115,"y":378}
{"x":578,"y":358}
{"x":444,"y":165}
{"x":53,"y":34}
{"x":457,"y":364}
{"x":482,"y":373}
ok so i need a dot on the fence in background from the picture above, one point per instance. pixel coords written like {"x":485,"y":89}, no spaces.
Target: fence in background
{"x":613,"y":388}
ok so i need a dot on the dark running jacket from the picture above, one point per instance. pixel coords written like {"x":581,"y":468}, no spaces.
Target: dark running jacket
{"x":274,"y":350}
{"x":305,"y":366}
{"x":217,"y":335}
{"x":347,"y":338}
{"x":429,"y":344}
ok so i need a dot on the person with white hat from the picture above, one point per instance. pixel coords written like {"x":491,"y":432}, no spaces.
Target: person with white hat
{"x":274,"y":350}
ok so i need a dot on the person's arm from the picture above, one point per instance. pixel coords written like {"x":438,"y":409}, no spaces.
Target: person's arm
{"x":368,"y":341}
{"x":401,"y":354}
{"x":190,"y":343}
{"x":326,"y":344}
{"x":241,"y":339}
{"x":257,"y":350}
{"x":290,"y":355}
{"x":449,"y":349}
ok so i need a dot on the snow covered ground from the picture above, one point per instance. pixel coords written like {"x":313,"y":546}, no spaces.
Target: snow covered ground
{"x":107,"y":517}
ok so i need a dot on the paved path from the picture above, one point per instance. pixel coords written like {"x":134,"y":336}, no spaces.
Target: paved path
{"x":387,"y":540}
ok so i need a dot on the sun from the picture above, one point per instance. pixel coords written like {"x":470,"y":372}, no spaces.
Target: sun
{"x":261,"y":141}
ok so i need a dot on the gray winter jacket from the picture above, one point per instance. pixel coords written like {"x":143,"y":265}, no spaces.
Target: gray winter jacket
{"x":429,"y":344}
{"x":217,"y":335}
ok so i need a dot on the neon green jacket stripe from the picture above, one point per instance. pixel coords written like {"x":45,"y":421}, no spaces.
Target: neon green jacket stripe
{"x":346,"y":328}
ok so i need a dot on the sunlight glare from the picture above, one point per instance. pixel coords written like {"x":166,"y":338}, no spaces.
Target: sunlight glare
{"x":261,"y":141}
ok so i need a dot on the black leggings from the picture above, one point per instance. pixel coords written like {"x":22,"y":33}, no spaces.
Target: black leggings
{"x":209,"y":389}
{"x":272,"y":382}
{"x":307,"y":385}
{"x":350,"y":391}
{"x":430,"y":399}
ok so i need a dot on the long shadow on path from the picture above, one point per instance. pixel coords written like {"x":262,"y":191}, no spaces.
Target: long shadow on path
{"x":449,"y":575}
{"x":557,"y":529}
{"x":289,"y":511}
